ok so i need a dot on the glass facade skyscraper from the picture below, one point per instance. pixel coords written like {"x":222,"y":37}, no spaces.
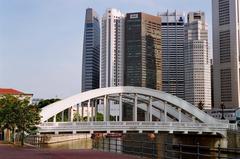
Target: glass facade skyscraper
{"x":91,"y":51}
{"x":143,"y":55}
{"x":143,"y":51}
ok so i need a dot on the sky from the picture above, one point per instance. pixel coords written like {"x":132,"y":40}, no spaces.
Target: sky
{"x":41,"y":40}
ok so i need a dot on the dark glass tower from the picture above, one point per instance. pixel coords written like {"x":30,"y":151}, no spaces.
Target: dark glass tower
{"x":91,"y":51}
{"x":143,"y":52}
{"x":143,"y":55}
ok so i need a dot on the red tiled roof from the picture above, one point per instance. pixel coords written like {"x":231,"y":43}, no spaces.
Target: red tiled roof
{"x":10,"y":91}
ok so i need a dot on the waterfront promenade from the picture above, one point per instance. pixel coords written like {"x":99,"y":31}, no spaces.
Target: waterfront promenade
{"x":8,"y":151}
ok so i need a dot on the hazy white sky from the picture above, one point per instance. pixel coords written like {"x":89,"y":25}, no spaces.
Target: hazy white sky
{"x":41,"y":40}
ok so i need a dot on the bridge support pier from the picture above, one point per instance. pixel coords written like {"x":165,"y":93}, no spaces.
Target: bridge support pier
{"x":150,"y":109}
{"x":70,"y":114}
{"x":96,"y":109}
{"x":179,"y":115}
{"x":82,"y":110}
{"x":93,"y":105}
{"x":63,"y":116}
{"x":78,"y":112}
{"x":120,"y":107}
{"x":165,"y":111}
{"x":106,"y":108}
{"x":88,"y":108}
{"x":54,"y":118}
{"x":147,"y":115}
{"x":135,"y":107}
{"x":194,"y":119}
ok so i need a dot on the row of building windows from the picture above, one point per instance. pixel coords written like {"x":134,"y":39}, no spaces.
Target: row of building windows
{"x":224,"y":42}
{"x":224,"y":16}
{"x":226,"y":87}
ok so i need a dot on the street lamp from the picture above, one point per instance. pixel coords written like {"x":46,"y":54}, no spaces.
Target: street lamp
{"x":223,"y":107}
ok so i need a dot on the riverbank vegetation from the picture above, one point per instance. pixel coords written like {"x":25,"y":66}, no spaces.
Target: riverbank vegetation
{"x":18,"y":116}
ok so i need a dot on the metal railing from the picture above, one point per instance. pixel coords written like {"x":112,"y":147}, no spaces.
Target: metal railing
{"x":182,"y":151}
{"x":167,"y":151}
{"x":133,"y":147}
{"x":36,"y":140}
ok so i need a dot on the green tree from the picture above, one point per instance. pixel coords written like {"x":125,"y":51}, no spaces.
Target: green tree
{"x":17,"y":114}
{"x":201,"y":105}
{"x":7,"y":112}
{"x":28,"y":117}
{"x":112,"y":118}
{"x":46,"y":102}
{"x":77,"y":116}
{"x":99,"y":117}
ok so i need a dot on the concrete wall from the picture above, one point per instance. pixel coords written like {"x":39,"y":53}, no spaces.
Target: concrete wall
{"x":65,"y":137}
{"x":50,"y":138}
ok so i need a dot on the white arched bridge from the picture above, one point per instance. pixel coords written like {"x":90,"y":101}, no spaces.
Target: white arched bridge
{"x":140,"y":109}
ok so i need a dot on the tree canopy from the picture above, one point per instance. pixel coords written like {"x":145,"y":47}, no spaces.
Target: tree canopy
{"x":17,"y":114}
{"x":46,"y":102}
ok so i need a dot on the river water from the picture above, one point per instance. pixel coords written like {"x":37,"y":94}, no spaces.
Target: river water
{"x":87,"y":143}
{"x":73,"y":144}
{"x":112,"y":145}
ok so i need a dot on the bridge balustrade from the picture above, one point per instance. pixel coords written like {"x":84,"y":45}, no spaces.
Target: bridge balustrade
{"x":135,"y":126}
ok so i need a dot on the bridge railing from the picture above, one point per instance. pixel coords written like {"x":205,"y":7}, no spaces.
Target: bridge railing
{"x":137,"y":125}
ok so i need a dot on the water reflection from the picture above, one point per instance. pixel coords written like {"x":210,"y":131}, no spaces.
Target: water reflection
{"x":117,"y":145}
{"x":73,"y":144}
{"x":108,"y":144}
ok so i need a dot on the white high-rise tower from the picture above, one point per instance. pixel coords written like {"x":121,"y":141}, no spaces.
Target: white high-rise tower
{"x":226,"y":43}
{"x":112,"y":51}
{"x":197,"y":63}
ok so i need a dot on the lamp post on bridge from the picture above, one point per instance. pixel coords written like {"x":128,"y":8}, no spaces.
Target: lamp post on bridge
{"x":223,"y":107}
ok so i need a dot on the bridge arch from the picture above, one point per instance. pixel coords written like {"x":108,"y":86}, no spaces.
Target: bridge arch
{"x":163,"y":100}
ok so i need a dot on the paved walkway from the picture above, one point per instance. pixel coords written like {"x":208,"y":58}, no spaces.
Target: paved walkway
{"x":12,"y":152}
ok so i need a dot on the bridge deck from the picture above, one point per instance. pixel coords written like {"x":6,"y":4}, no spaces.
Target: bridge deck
{"x":75,"y":127}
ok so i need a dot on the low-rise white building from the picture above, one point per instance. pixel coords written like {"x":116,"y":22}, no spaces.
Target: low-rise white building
{"x":16,"y":93}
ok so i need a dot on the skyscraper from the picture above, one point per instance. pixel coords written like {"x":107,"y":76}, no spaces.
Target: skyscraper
{"x":197,"y":62}
{"x":226,"y":43}
{"x":91,"y":51}
{"x":112,"y":49}
{"x":173,"y":53}
{"x":143,"y":52}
